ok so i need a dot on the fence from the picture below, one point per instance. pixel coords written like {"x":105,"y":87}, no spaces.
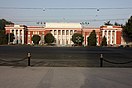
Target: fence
{"x":16,"y":61}
{"x":105,"y":60}
{"x":28,"y":58}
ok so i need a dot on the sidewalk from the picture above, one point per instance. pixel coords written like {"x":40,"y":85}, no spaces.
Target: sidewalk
{"x":65,"y":77}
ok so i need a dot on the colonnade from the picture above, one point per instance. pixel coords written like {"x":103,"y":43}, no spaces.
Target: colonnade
{"x":110,"y":36}
{"x":63,"y":37}
{"x":19,"y":36}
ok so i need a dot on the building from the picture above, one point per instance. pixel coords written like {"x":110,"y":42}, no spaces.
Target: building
{"x":19,"y":31}
{"x":113,"y":34}
{"x":63,"y":33}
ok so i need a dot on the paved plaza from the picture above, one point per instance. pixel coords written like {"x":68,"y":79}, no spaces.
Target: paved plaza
{"x":65,"y":67}
{"x":65,"y":77}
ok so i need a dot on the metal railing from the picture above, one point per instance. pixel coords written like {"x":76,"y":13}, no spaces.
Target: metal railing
{"x":20,"y":60}
{"x":102,"y":59}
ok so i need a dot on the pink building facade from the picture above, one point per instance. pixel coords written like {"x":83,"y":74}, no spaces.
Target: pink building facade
{"x":63,"y":33}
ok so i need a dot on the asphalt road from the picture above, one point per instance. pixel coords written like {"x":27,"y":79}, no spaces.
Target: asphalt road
{"x":65,"y":56}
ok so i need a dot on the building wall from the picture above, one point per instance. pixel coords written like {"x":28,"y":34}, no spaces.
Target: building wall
{"x":63,"y":33}
{"x":19,"y":32}
{"x":118,"y":36}
{"x":112,"y":34}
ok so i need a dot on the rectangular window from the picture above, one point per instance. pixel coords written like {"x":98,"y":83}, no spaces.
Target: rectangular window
{"x":59,"y":32}
{"x":67,"y":32}
{"x":63,"y":32}
{"x":55,"y":32}
{"x":71,"y":32}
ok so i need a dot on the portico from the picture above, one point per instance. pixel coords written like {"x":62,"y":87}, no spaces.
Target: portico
{"x":19,"y":33}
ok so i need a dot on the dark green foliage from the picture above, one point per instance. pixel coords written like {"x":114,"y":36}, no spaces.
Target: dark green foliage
{"x":128,"y":28}
{"x":108,"y":23}
{"x":92,"y":39}
{"x":104,"y":41}
{"x":3,"y":22}
{"x":117,"y":24}
{"x":36,"y":39}
{"x":10,"y":37}
{"x":49,"y":38}
{"x":77,"y":38}
{"x":3,"y":37}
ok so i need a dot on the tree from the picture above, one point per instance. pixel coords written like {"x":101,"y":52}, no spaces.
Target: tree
{"x":77,"y":38}
{"x":127,"y":28}
{"x":104,"y":41}
{"x":92,"y":39}
{"x":3,"y":37}
{"x":10,"y":37}
{"x":3,"y":23}
{"x":117,"y":24}
{"x":36,"y":39}
{"x":108,"y":23}
{"x":49,"y":38}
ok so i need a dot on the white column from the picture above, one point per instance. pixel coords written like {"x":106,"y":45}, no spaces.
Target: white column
{"x":107,"y":36}
{"x":60,"y":37}
{"x":57,"y":37}
{"x":22,"y":36}
{"x":111,"y":37}
{"x":69,"y":38}
{"x":115,"y":37}
{"x":19,"y":41}
{"x":65,"y":37}
{"x":53,"y":32}
{"x":103,"y":33}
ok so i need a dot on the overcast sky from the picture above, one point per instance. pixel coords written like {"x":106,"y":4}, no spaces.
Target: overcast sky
{"x":95,"y":17}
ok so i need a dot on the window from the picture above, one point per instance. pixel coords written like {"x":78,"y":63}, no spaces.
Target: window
{"x":71,"y":32}
{"x":67,"y":32}
{"x":29,"y":33}
{"x":63,"y":32}
{"x":66,"y":41}
{"x":55,"y":32}
{"x":59,"y":32}
{"x":12,"y":31}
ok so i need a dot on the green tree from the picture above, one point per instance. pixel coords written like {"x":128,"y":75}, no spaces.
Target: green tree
{"x":10,"y":37}
{"x":36,"y":39}
{"x":104,"y":41}
{"x":92,"y":39}
{"x":108,"y":23}
{"x":3,"y":37}
{"x":49,"y":38}
{"x":77,"y":38}
{"x":127,"y":28}
{"x":117,"y":24}
{"x":3,"y":23}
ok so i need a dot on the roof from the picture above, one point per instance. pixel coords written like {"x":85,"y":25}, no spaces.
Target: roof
{"x":62,"y":25}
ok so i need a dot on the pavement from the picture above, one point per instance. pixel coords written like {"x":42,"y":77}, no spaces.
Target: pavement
{"x":64,"y":77}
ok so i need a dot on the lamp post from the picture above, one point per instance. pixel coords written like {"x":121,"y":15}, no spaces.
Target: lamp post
{"x":83,"y":24}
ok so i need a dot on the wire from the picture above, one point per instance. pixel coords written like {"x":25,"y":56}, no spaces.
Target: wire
{"x":63,"y":8}
{"x":92,"y":20}
{"x":19,"y":8}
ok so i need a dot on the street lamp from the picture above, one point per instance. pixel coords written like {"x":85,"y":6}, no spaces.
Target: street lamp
{"x":83,"y":24}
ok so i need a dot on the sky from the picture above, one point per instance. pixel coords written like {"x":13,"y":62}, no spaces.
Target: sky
{"x":94,"y":12}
